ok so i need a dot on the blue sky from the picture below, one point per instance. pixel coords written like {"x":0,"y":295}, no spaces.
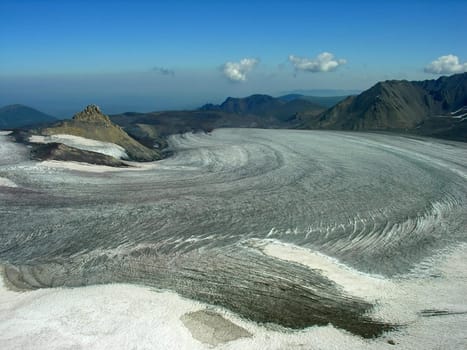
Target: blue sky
{"x":150,"y":55}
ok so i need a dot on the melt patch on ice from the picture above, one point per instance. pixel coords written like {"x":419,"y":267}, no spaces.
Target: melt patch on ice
{"x":352,"y":281}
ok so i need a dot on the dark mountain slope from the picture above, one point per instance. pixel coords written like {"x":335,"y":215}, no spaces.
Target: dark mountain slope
{"x":425,"y":107}
{"x":16,"y":116}
{"x":387,"y":105}
{"x":448,"y":92}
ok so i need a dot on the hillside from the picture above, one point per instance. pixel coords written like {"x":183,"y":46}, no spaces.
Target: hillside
{"x":422,"y":107}
{"x":91,"y":123}
{"x":17,"y":116}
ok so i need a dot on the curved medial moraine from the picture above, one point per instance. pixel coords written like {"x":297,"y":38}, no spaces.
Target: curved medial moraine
{"x":377,"y":203}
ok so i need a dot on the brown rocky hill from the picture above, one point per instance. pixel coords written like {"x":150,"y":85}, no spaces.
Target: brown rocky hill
{"x":91,"y":123}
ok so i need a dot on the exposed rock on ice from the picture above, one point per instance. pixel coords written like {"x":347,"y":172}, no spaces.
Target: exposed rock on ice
{"x":211,"y":328}
{"x":107,"y":148}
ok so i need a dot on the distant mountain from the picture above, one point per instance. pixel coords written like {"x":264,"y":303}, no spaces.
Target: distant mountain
{"x":17,"y":116}
{"x":435,"y":108}
{"x":429,"y":107}
{"x":323,"y":92}
{"x":91,"y":123}
{"x":325,"y":101}
{"x":265,"y":106}
{"x":257,"y":111}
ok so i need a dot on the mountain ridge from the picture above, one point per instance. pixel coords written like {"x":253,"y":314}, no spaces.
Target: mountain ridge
{"x":420,"y":107}
{"x":436,"y":108}
{"x":254,"y":111}
{"x":264,"y":105}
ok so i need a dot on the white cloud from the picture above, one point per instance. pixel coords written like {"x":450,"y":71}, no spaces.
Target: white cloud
{"x":324,"y":62}
{"x":237,"y":71}
{"x":448,"y":64}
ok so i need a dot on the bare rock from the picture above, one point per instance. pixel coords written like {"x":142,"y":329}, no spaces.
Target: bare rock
{"x":93,"y":114}
{"x":211,"y":328}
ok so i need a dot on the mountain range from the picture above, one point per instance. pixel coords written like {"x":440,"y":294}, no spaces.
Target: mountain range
{"x":435,"y":108}
{"x":265,"y":106}
{"x":258,"y":111}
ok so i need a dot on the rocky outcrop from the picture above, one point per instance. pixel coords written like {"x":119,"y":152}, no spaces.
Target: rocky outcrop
{"x":59,"y":151}
{"x":91,"y":123}
{"x":92,"y":114}
{"x":212,"y":328}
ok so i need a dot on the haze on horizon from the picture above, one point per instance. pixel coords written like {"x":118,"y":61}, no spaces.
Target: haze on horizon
{"x":59,"y":56}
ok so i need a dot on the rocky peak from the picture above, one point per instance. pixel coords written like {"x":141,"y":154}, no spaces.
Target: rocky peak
{"x":92,"y":113}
